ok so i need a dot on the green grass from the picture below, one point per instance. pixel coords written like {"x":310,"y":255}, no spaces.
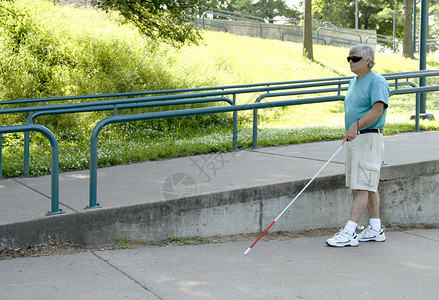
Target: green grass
{"x":83,"y":51}
{"x":123,"y":243}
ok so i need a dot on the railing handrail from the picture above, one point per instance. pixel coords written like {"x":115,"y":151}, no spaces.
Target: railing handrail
{"x":232,"y":14}
{"x":128,"y":106}
{"x":171,"y":97}
{"x":282,"y":94}
{"x":108,"y":102}
{"x":129,"y":94}
{"x":328,"y":90}
{"x":343,"y":32}
{"x":55,"y":159}
{"x":201,"y":89}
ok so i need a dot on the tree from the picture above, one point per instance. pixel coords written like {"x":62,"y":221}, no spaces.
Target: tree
{"x":307,"y":31}
{"x":168,"y":20}
{"x":240,"y":6}
{"x":407,"y":50}
{"x":433,"y":11}
{"x":274,"y":8}
{"x":245,"y":7}
{"x":267,"y":9}
{"x":340,"y":13}
{"x":373,"y":14}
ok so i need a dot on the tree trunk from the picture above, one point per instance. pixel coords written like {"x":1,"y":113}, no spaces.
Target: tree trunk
{"x":356,"y":14}
{"x":307,"y":31}
{"x":407,"y":50}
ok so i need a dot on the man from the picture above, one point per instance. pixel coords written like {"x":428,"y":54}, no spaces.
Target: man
{"x":365,"y":113}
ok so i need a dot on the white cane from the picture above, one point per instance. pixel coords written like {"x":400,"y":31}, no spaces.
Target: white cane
{"x":292,"y":201}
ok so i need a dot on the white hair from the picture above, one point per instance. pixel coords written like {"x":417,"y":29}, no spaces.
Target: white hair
{"x":367,"y":52}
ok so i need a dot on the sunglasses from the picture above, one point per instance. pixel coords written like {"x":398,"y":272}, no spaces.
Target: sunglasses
{"x":354,"y":58}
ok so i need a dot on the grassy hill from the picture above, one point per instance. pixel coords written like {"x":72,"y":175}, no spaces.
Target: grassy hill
{"x":49,"y":50}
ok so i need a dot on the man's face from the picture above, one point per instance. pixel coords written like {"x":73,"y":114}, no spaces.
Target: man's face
{"x":359,"y":67}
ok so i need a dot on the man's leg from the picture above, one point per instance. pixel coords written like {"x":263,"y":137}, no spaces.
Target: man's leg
{"x":373,"y":232}
{"x":347,"y":235}
{"x":361,"y":201}
{"x":373,"y":205}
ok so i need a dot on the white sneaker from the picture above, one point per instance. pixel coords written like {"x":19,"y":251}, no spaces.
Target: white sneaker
{"x":343,"y":239}
{"x":369,"y":234}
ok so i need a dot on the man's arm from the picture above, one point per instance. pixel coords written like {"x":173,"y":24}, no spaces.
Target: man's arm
{"x":369,"y":118}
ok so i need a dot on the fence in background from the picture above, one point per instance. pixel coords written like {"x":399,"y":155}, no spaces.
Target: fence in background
{"x":325,"y":33}
{"x":240,"y":24}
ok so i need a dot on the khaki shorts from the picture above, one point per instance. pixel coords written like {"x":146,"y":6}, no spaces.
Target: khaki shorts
{"x":364,"y":156}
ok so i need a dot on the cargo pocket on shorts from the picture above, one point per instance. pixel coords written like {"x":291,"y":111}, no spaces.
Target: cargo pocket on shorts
{"x":369,"y":174}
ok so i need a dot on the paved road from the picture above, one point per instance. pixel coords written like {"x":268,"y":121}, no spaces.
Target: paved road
{"x":406,"y":266}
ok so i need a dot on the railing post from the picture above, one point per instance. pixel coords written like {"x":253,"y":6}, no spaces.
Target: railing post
{"x":317,"y":35}
{"x":417,"y":112}
{"x":235,"y":126}
{"x":94,"y":167}
{"x":55,"y":168}
{"x":55,"y":159}
{"x":55,"y":174}
{"x":1,"y":165}
{"x":255,"y":129}
{"x":26,"y":152}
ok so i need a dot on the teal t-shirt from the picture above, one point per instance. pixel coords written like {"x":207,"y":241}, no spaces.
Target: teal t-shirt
{"x":362,"y":94}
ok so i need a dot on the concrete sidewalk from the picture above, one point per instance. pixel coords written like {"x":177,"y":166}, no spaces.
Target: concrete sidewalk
{"x":406,"y":266}
{"x":25,"y":199}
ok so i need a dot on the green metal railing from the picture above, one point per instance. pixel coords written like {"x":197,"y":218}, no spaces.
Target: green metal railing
{"x":176,"y":97}
{"x":256,"y":21}
{"x":55,"y":159}
{"x":114,"y":104}
{"x":203,"y":111}
{"x":300,"y":34}
{"x":341,"y":32}
{"x":342,"y":85}
{"x":189,"y":96}
{"x":173,"y":114}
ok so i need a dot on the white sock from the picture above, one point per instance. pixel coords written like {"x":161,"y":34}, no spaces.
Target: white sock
{"x":375,"y":224}
{"x":350,"y":227}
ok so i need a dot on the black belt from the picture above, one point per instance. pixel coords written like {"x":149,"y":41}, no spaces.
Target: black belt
{"x":375,"y":130}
